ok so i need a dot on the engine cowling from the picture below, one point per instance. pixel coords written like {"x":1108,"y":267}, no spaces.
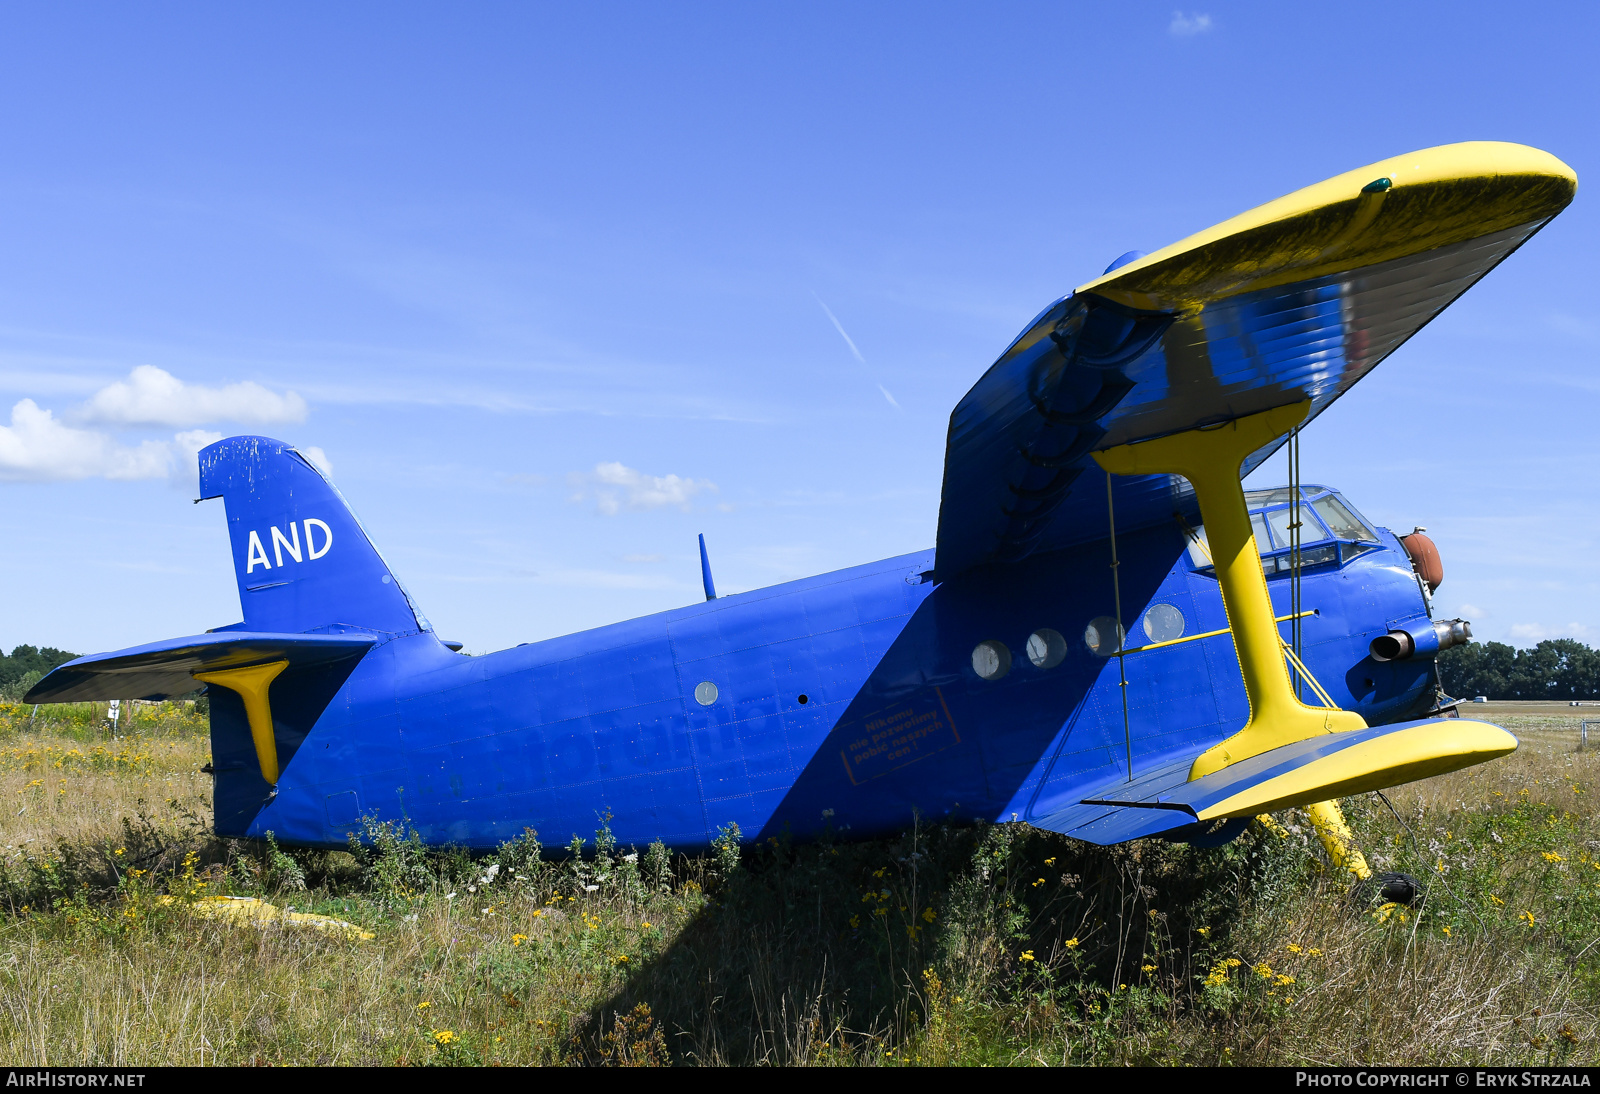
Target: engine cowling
{"x":1425,"y":636}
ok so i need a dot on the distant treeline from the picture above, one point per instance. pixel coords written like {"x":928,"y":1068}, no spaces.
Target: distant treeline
{"x":26,"y":666}
{"x":1560,"y":668}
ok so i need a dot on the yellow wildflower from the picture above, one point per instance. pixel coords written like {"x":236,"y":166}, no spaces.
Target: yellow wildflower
{"x":1071,"y":943}
{"x":424,"y":1005}
{"x":1294,"y":948}
{"x":518,"y":939}
{"x":1027,"y":955}
{"x":1551,"y":856}
{"x":443,"y":1036}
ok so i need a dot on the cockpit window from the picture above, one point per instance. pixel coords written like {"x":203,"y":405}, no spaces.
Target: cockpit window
{"x":1270,"y":518}
{"x":1258,"y":525}
{"x":1259,"y":499}
{"x":1280,"y":520}
{"x":1340,"y":520}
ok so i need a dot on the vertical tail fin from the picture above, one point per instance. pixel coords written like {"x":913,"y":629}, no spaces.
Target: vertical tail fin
{"x":303,"y":561}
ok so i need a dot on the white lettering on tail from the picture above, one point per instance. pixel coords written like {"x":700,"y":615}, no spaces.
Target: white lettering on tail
{"x":258,"y":555}
{"x":279,"y":542}
{"x":327,"y":538}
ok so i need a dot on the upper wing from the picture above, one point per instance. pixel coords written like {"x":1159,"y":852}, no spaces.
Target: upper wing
{"x":1296,"y":299}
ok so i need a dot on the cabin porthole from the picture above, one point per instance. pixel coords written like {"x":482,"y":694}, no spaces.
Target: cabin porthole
{"x":804,"y":699}
{"x":705,"y":693}
{"x":1163,"y":623}
{"x":1046,"y":648}
{"x":1102,"y":636}
{"x":991,"y":660}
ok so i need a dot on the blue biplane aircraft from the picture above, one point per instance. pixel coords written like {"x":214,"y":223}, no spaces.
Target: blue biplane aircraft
{"x":1110,"y":639}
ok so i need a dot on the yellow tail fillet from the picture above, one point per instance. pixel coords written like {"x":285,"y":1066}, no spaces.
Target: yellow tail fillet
{"x":251,"y":683}
{"x":1210,"y":458}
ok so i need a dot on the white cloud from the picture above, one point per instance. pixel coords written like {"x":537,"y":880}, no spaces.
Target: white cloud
{"x":153,"y":396}
{"x":318,"y":458}
{"x":1473,"y":610}
{"x":187,"y":446}
{"x":36,"y":447}
{"x":1537,"y":632}
{"x":1187,"y":26}
{"x":616,"y":487}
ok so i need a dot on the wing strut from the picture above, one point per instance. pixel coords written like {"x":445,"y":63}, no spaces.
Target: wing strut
{"x":1210,"y":458}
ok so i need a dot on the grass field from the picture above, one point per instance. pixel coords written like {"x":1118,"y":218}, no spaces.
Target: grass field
{"x":944,"y":945}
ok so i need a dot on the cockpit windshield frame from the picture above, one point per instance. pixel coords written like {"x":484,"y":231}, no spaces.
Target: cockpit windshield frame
{"x":1332,"y":531}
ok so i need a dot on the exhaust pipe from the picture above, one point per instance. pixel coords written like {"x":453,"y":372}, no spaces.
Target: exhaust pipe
{"x":1425,"y":636}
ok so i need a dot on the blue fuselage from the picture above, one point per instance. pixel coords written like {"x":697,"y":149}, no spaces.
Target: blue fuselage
{"x":849,"y":699}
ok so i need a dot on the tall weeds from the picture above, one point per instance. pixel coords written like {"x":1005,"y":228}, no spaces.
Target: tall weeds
{"x":998,"y":944}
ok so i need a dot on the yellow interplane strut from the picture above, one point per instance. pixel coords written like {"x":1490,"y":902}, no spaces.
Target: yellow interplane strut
{"x":251,"y":683}
{"x":1328,"y":819}
{"x":1210,"y":459}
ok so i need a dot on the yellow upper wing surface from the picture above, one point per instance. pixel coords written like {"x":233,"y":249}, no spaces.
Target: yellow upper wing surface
{"x":1294,"y":300}
{"x":1390,"y":209}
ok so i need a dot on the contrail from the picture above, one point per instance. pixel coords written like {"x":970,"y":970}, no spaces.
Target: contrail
{"x":838,"y":326}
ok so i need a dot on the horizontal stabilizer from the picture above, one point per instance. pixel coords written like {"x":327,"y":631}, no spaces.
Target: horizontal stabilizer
{"x":165,"y":669}
{"x":1332,"y":765}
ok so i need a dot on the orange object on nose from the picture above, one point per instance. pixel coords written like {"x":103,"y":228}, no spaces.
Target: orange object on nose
{"x":1424,"y":558}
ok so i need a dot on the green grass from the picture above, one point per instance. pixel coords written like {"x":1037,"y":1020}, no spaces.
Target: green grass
{"x":974,"y":945}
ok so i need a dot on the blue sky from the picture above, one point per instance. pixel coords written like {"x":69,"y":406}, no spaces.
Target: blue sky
{"x":553,"y":288}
